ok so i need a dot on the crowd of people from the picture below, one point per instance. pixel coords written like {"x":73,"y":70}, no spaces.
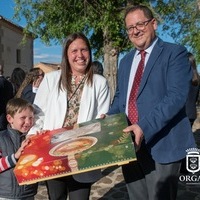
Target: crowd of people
{"x":153,"y":83}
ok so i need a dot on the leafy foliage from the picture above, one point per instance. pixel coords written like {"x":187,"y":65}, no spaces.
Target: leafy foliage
{"x":102,"y":21}
{"x":53,"y":20}
{"x":182,"y":22}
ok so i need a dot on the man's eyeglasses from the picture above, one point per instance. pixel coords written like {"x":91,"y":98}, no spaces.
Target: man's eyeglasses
{"x":140,"y":26}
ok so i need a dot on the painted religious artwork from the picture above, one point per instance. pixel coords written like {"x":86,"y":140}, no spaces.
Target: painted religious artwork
{"x":96,"y":144}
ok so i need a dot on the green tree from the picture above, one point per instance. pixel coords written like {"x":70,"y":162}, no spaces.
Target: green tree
{"x":182,"y":21}
{"x":102,"y":21}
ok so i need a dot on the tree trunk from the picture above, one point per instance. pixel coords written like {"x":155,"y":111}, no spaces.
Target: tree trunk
{"x":110,"y":66}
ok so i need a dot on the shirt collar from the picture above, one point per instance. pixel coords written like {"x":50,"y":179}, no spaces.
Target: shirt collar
{"x":150,"y":48}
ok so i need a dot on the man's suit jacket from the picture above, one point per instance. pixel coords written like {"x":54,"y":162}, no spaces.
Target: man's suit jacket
{"x":161,"y":101}
{"x":51,"y":105}
{"x":6,"y":93}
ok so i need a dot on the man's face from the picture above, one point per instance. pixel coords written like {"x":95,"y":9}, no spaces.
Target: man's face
{"x":141,"y":39}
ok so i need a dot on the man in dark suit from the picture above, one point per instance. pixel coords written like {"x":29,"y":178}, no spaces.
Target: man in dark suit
{"x":6,"y":93}
{"x":162,"y":131}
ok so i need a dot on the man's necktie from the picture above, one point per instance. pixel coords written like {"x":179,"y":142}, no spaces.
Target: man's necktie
{"x":132,"y":107}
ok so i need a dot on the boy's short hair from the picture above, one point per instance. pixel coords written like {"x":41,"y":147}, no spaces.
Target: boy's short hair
{"x":17,"y":105}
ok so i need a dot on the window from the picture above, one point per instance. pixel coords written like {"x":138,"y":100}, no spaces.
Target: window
{"x":18,"y":54}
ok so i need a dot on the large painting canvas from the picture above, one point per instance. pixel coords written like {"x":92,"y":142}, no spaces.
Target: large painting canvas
{"x":93,"y":145}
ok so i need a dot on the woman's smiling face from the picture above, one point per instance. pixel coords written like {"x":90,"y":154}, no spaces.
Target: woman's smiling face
{"x":78,"y":56}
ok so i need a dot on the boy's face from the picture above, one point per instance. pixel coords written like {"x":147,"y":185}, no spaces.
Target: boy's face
{"x":22,"y":121}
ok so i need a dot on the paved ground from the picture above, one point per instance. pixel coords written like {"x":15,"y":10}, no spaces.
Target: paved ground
{"x":112,"y":187}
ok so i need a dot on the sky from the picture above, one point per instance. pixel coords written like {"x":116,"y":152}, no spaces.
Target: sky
{"x":42,"y":53}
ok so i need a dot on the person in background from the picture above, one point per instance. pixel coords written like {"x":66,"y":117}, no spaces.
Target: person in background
{"x":30,"y":85}
{"x":97,"y":67}
{"x":6,"y":93}
{"x":8,"y":78}
{"x":20,"y":115}
{"x":17,"y":77}
{"x":191,"y":103}
{"x":191,"y":109}
{"x":67,"y":97}
{"x":154,"y":100}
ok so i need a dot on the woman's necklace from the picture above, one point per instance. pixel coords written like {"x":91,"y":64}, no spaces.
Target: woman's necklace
{"x":77,"y":87}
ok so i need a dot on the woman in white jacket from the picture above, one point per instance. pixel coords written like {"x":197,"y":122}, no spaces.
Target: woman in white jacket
{"x":69,"y":96}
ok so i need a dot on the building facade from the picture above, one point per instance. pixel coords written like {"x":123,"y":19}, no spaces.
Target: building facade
{"x":12,"y":52}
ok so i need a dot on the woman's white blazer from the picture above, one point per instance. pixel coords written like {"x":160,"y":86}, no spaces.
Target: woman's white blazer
{"x":51,"y":106}
{"x":52,"y":102}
